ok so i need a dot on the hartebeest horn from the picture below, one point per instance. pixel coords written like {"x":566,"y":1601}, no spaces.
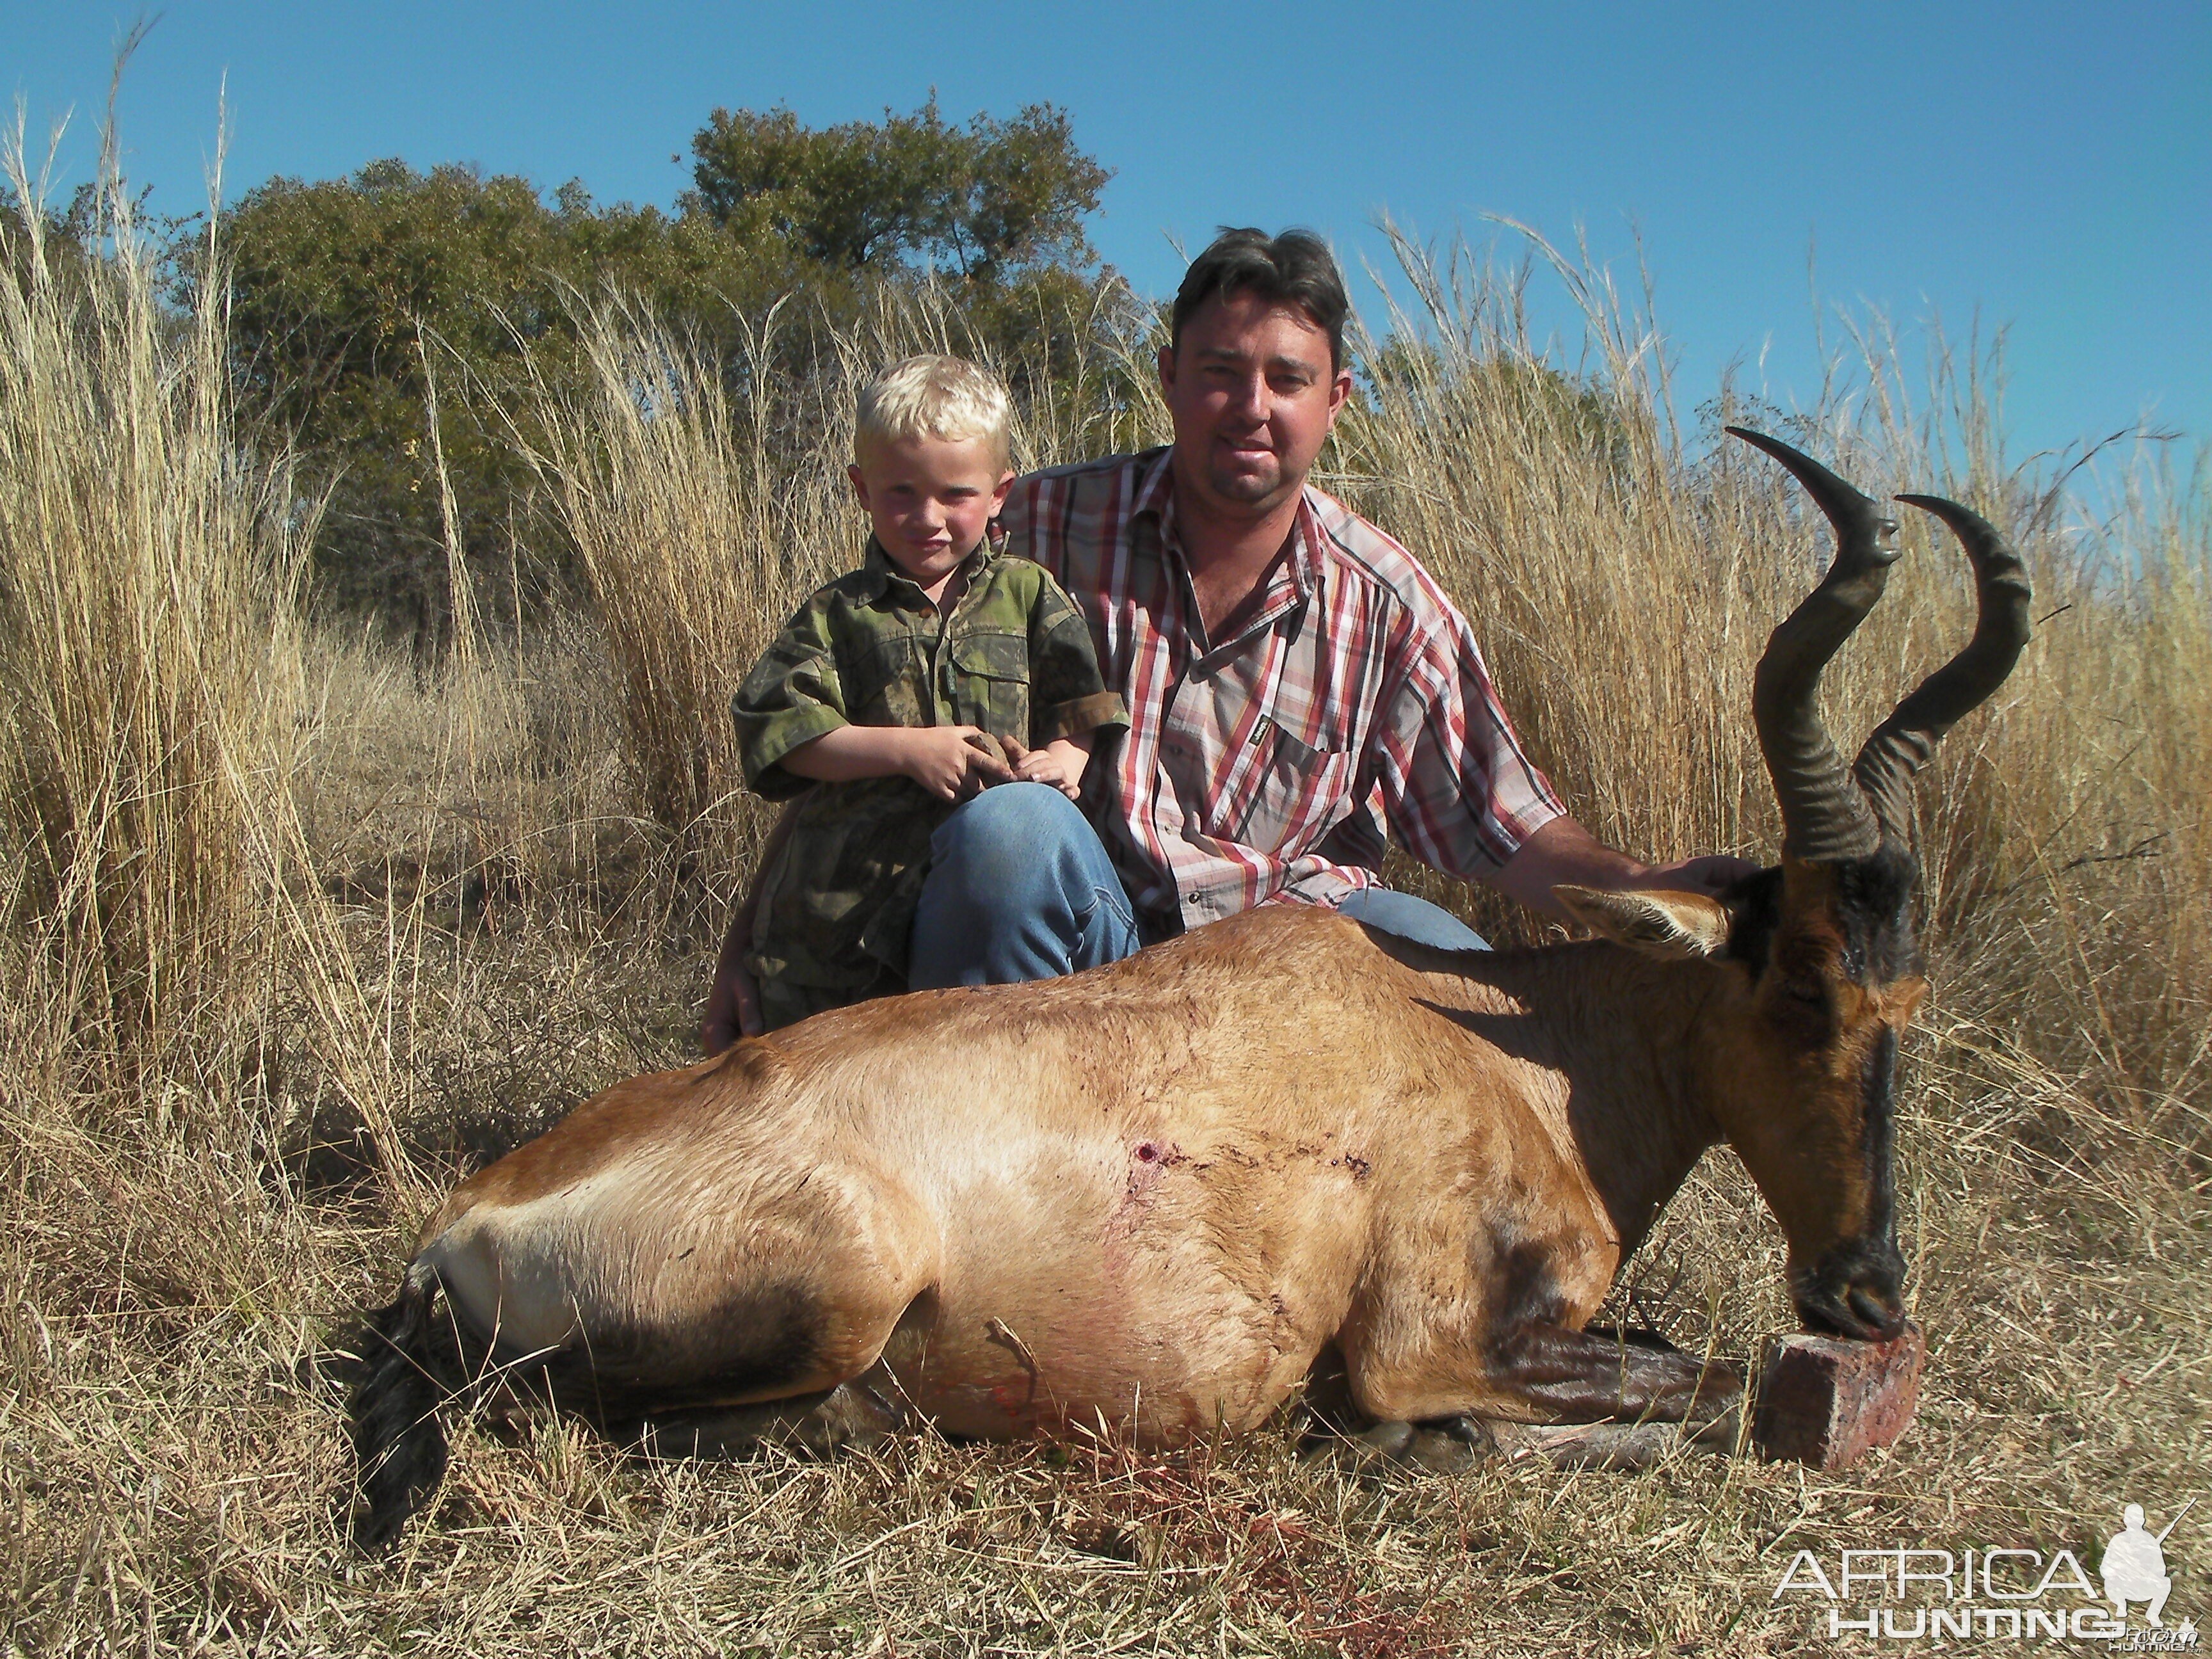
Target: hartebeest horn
{"x":1825,"y":819}
{"x":1902,"y":743}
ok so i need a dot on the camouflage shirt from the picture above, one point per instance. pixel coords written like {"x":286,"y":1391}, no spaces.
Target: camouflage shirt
{"x":1015,"y":658}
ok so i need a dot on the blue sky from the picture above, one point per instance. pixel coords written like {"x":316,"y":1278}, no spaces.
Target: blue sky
{"x":2042,"y":167}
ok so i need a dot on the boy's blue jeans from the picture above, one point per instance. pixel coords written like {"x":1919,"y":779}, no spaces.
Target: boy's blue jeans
{"x":1019,"y":887}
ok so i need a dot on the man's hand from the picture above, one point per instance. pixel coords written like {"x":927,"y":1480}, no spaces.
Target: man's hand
{"x":1711,"y":875}
{"x":1564,"y":854}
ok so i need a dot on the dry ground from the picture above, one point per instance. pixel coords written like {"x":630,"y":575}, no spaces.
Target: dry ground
{"x":171,"y":1416}
{"x":334,"y":929}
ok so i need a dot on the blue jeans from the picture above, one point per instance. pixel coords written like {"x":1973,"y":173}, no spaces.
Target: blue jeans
{"x":1389,"y":911}
{"x":1020,"y":887}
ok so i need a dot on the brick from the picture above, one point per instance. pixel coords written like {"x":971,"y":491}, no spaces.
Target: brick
{"x":1828,"y":1401}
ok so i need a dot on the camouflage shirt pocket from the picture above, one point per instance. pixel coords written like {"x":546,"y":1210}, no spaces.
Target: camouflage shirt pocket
{"x":990,"y":684}
{"x":886,"y":678}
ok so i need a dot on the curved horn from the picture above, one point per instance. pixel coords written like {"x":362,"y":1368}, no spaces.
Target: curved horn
{"x":1902,"y":743}
{"x":1825,"y":819}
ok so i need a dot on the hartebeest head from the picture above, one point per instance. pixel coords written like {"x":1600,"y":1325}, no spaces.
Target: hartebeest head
{"x":1820,"y":967}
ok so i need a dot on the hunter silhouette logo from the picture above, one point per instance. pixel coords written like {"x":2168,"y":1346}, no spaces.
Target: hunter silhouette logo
{"x":2135,"y":1564}
{"x":1994,"y":1593}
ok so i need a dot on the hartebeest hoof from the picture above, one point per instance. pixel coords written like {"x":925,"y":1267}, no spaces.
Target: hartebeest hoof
{"x":1446,"y":1446}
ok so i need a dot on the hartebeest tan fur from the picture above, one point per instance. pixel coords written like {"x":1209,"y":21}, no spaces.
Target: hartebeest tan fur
{"x":1159,"y":1193}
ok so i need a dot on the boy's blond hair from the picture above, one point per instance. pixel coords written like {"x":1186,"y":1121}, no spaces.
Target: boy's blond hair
{"x":934,"y":396}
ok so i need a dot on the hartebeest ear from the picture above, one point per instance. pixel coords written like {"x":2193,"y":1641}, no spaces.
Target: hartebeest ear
{"x":1670,"y":925}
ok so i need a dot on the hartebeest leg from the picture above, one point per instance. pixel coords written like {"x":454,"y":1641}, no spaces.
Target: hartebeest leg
{"x":1585,"y":1377}
{"x":1540,"y":1372}
{"x":1449,"y":1362}
{"x":696,"y":1321}
{"x":1654,"y":1395}
{"x":859,"y":1411}
{"x":1587,"y":1399}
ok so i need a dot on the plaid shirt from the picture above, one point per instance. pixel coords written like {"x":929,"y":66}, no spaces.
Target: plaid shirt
{"x":1353,"y":703}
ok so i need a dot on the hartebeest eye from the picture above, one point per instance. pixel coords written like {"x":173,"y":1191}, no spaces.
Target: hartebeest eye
{"x":1801,"y":964}
{"x":1801,"y":1008}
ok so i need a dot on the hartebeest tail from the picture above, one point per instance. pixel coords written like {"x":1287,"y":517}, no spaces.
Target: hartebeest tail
{"x":398,"y":1445}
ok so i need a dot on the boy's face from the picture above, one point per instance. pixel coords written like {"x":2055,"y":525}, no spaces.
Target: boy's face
{"x":930,"y":499}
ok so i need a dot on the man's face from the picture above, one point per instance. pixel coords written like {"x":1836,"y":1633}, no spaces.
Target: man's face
{"x":930,"y":500}
{"x":1252,"y":397}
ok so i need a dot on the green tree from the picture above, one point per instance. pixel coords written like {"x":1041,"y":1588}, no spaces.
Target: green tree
{"x":387,"y":320}
{"x":69,"y":240}
{"x":991,"y":201}
{"x":362,"y":304}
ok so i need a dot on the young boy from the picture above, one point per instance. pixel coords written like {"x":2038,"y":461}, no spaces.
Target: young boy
{"x":873,"y":702}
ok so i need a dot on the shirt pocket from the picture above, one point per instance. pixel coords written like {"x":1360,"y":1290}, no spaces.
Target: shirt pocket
{"x":990,"y":684}
{"x":886,"y":682}
{"x":1297,"y":795}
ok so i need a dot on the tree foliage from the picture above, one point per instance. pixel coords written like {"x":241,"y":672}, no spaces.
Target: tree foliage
{"x":362,"y":304}
{"x":989,"y":201}
{"x":386,"y":322}
{"x":67,"y":240}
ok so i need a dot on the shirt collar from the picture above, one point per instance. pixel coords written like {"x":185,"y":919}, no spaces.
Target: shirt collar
{"x":877,"y":573}
{"x":1155,"y":497}
{"x":1155,"y":483}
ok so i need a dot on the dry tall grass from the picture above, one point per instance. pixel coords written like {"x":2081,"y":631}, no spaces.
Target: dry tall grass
{"x":705,"y":500}
{"x":147,"y":657}
{"x":477,"y":929}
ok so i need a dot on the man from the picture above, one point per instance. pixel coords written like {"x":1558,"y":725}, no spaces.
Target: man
{"x":1298,"y":686}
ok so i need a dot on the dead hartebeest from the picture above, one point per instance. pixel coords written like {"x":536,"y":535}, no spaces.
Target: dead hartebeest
{"x":1159,"y":1194}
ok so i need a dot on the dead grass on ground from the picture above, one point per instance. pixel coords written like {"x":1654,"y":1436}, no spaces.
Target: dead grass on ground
{"x":461,"y":906}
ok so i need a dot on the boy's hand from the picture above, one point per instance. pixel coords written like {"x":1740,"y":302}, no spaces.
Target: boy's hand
{"x":942,"y":761}
{"x":1060,"y":763}
{"x":732,"y":1008}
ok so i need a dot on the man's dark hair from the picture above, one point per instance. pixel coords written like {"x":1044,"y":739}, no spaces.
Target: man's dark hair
{"x":1295,"y":268}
